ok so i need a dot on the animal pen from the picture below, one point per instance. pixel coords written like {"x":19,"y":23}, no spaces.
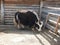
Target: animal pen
{"x":48,"y":12}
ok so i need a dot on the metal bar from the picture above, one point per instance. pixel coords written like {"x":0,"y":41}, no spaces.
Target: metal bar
{"x":2,"y":11}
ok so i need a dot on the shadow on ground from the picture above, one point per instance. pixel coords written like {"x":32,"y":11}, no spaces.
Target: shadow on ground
{"x":45,"y":37}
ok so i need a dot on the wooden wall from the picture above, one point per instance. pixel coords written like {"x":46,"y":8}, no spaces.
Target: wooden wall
{"x":11,"y":9}
{"x":34,"y":2}
{"x":12,"y":6}
{"x":28,"y":2}
{"x":0,"y":12}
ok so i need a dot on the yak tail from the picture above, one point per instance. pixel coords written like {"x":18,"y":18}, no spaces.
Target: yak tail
{"x":15,"y":19}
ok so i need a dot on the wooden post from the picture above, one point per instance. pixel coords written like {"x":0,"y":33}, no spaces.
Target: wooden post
{"x":56,"y":28}
{"x":47,"y":17}
{"x":2,"y":11}
{"x":40,"y":8}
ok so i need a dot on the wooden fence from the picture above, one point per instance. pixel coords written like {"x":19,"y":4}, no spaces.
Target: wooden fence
{"x":8,"y":10}
{"x":11,"y":9}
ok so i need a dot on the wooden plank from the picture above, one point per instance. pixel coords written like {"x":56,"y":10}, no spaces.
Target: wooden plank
{"x":40,"y":9}
{"x":9,"y":17}
{"x":59,"y":31}
{"x":51,"y":13}
{"x":59,"y":20}
{"x":53,"y":18}
{"x":53,"y":22}
{"x":11,"y":9}
{"x":31,"y":2}
{"x":47,"y":17}
{"x":8,"y":23}
{"x":7,"y":26}
{"x":56,"y":28}
{"x":8,"y":20}
{"x":21,"y":7}
{"x":50,"y":27}
{"x":9,"y":14}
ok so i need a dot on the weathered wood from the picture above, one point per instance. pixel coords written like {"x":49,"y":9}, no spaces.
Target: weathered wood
{"x":6,"y":26}
{"x":52,"y":13}
{"x":47,"y":17}
{"x":53,"y":22}
{"x":56,"y":28}
{"x":11,"y":9}
{"x":2,"y":11}
{"x":59,"y":20}
{"x":41,"y":5}
{"x":52,"y":18}
{"x":0,"y":17}
{"x":9,"y":16}
{"x":50,"y":27}
{"x":9,"y":23}
{"x":57,"y":23}
{"x":28,"y":2}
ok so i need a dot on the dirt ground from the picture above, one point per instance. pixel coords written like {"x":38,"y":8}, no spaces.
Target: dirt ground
{"x":27,"y":37}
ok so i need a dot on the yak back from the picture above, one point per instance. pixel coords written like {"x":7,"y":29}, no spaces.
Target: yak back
{"x":28,"y":18}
